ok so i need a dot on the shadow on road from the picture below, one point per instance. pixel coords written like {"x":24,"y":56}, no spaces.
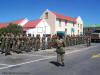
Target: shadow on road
{"x":55,"y":63}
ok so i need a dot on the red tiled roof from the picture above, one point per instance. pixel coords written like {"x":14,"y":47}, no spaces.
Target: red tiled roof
{"x":32,"y":24}
{"x":17,"y":21}
{"x":65,"y":16}
{"x":2,"y":24}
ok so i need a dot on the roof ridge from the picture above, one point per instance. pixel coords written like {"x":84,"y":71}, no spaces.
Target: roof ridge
{"x":64,"y":16}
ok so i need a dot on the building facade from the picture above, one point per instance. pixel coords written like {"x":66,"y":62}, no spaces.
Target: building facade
{"x":60,"y":23}
{"x":37,"y":27}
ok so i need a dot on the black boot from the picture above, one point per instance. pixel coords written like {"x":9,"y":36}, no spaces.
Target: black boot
{"x":63,"y":64}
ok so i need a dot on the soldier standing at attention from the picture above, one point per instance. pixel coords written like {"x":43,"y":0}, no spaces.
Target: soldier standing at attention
{"x":18,"y":37}
{"x":3,"y":43}
{"x":60,"y":51}
{"x":7,"y":44}
{"x":14,"y":43}
{"x":37,"y":43}
{"x":49,"y":42}
{"x":88,"y":41}
{"x":0,"y":41}
{"x":55,"y":38}
{"x":43,"y":42}
{"x":53,"y":41}
{"x":29,"y":42}
{"x":25,"y":42}
{"x":33,"y":41}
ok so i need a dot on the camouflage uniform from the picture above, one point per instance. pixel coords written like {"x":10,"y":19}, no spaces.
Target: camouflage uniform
{"x":53,"y":41}
{"x":88,"y":40}
{"x":33,"y":41}
{"x":7,"y":44}
{"x":3,"y":43}
{"x":37,"y":43}
{"x":25,"y":38}
{"x":14,"y":43}
{"x":60,"y":51}
{"x":55,"y":38}
{"x":43,"y":42}
{"x":0,"y":41}
{"x":29,"y":41}
{"x":18,"y":37}
{"x":49,"y":42}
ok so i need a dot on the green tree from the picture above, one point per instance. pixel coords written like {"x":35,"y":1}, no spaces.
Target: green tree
{"x":12,"y":28}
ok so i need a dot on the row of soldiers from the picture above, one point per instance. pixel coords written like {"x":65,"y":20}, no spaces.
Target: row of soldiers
{"x":21,"y":42}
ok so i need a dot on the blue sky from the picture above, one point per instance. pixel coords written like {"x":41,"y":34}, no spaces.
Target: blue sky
{"x":89,"y":10}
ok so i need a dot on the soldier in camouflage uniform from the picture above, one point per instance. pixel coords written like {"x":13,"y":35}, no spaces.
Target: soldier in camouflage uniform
{"x":3,"y":43}
{"x":0,"y":41}
{"x":14,"y":43}
{"x":53,"y":40}
{"x":60,"y":51}
{"x":33,"y":41}
{"x":43,"y":42}
{"x":19,"y":43}
{"x":71,"y":40}
{"x":25,"y":38}
{"x":75,"y":38}
{"x":7,"y":44}
{"x":49,"y":42}
{"x":37,"y":43}
{"x":88,"y":41}
{"x":29,"y":41}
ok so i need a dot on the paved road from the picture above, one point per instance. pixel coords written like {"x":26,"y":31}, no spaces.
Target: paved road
{"x":78,"y":61}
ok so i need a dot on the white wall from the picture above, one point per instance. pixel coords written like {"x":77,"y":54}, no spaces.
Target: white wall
{"x":80,"y":22}
{"x":69,"y":26}
{"x":41,"y":28}
{"x":50,"y":20}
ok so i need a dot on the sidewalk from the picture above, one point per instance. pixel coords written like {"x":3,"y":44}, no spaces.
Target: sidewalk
{"x":51,"y":52}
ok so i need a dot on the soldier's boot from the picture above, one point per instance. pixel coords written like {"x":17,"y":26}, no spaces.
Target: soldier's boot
{"x":19,"y":51}
{"x":7,"y":54}
{"x":2,"y":52}
{"x":63,"y":64}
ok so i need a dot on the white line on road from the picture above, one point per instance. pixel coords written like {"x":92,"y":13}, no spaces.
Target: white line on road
{"x":3,"y":64}
{"x":42,"y":59}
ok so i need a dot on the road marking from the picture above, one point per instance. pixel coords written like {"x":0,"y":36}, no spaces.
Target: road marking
{"x":96,"y":56}
{"x":35,"y":60}
{"x":3,"y":64}
{"x":43,"y":59}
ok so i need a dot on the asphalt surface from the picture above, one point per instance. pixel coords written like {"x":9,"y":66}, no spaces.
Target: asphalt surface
{"x":78,"y":61}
